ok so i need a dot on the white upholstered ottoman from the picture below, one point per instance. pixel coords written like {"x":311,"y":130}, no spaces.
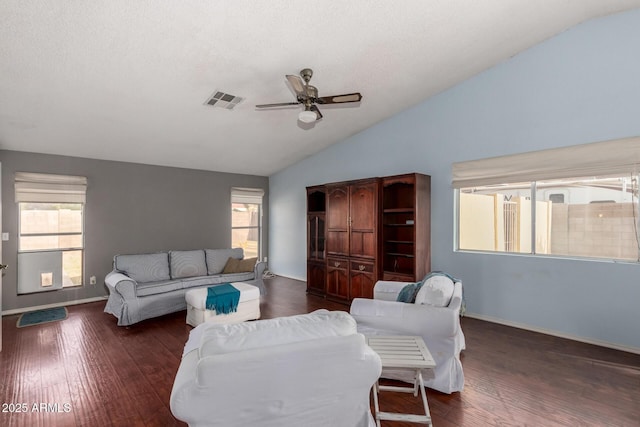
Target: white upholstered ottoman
{"x":248,"y":306}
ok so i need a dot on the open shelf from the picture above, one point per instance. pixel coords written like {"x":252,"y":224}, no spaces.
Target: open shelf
{"x":397,"y":254}
{"x":398,"y":195}
{"x":316,"y":202}
{"x":399,"y":276}
{"x":399,"y":210}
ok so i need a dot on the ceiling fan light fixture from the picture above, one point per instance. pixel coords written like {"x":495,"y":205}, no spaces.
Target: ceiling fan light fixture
{"x":307,"y":116}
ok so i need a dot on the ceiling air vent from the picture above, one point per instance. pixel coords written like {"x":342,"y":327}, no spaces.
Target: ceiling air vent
{"x":224,"y":100}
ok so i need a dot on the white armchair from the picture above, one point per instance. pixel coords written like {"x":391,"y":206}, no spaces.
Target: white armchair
{"x":438,"y":326}
{"x":307,"y":370}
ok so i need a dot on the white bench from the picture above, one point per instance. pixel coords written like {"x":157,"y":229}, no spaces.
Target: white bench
{"x":248,"y":306}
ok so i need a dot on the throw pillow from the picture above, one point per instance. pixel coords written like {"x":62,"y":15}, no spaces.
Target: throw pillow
{"x":239,"y":265}
{"x":437,"y":291}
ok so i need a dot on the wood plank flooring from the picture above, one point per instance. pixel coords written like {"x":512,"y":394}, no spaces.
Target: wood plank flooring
{"x":90,"y":372}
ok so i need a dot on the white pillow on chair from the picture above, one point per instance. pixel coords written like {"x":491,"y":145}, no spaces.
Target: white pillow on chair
{"x":436,"y":291}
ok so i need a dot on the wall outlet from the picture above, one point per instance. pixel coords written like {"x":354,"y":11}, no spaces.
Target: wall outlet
{"x":92,"y":280}
{"x":5,"y":237}
{"x":265,"y":259}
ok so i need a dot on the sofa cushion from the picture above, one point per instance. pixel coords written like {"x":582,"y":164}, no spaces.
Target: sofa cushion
{"x":233,"y":277}
{"x":436,"y":291}
{"x":160,"y":287}
{"x":239,"y":265}
{"x":217,"y":258}
{"x":193,"y":282}
{"x":187,"y":264}
{"x":144,"y":267}
{"x":229,"y":338}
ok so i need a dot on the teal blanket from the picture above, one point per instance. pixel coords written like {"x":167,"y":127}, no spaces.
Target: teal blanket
{"x":223,"y":298}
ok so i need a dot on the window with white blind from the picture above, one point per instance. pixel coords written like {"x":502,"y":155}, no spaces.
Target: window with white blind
{"x":246,"y":220}
{"x":578,"y":201}
{"x":50,"y":231}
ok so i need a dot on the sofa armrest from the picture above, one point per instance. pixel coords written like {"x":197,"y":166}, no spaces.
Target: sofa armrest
{"x":456,"y":298}
{"x":122,"y":284}
{"x":387,"y":290}
{"x":259,"y":269}
{"x":404,"y":318}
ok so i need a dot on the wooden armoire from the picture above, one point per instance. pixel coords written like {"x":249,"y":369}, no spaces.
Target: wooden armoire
{"x":359,"y":232}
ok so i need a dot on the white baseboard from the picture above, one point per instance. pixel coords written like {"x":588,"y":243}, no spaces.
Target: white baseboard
{"x":57,"y":304}
{"x":553,"y":333}
{"x":290,"y":277}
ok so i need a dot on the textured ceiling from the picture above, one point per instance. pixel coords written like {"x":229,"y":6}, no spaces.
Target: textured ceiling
{"x":127,"y":80}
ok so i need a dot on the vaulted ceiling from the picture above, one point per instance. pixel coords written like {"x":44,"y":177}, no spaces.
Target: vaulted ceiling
{"x":128,"y":80}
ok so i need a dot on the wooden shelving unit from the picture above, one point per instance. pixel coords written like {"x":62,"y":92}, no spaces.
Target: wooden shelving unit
{"x":406,"y":224}
{"x":361,"y":231}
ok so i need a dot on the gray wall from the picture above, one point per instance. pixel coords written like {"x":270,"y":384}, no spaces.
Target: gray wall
{"x":130,"y":208}
{"x":579,"y":87}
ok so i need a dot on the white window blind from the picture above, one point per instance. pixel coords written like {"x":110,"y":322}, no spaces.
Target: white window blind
{"x":621,"y":156}
{"x":247,"y":195}
{"x":47,"y":188}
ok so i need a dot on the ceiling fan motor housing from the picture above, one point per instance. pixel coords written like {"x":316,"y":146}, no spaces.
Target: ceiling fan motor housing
{"x":306,"y":74}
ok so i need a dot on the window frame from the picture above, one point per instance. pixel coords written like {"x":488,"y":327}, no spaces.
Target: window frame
{"x":49,"y":189}
{"x":533,"y":250}
{"x":81,"y":249}
{"x":618,"y":157}
{"x":249,"y":196}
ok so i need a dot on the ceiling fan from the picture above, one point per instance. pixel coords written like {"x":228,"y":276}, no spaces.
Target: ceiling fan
{"x":307,"y":95}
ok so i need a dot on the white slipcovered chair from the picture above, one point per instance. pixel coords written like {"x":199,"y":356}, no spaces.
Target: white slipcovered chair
{"x":306,"y":370}
{"x":439,"y":327}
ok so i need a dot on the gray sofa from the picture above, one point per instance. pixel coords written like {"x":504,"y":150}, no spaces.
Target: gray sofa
{"x":143,"y":286}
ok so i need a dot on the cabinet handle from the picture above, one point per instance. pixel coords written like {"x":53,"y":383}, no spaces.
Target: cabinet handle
{"x":336,"y":264}
{"x":361,"y":267}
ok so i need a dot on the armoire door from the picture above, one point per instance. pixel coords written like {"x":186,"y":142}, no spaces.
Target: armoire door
{"x":337,"y":220}
{"x":338,"y":278}
{"x":362,"y":278}
{"x":316,"y":277}
{"x":363,"y":214}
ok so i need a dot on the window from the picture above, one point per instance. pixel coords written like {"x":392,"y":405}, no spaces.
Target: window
{"x":50,"y":231}
{"x":591,"y":216}
{"x":246,"y":221}
{"x":55,"y":227}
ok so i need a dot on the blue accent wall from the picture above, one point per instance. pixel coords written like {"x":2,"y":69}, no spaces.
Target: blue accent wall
{"x":581,"y":86}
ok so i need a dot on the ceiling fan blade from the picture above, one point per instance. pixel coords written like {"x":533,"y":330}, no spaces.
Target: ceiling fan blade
{"x":317,"y":111}
{"x":339,"y":99}
{"x":281,"y":104}
{"x":296,"y":83}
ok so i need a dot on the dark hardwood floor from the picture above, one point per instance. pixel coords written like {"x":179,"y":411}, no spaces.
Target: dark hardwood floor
{"x":100,"y":374}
